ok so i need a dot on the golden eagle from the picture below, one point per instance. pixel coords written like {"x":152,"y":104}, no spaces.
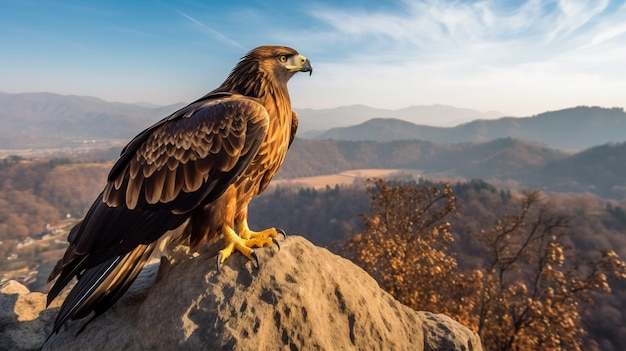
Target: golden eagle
{"x":194,"y":171}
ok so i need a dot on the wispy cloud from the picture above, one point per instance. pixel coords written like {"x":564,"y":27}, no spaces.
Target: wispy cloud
{"x":437,"y":26}
{"x":517,"y":56}
{"x":475,"y":53}
{"x":574,"y":14}
{"x":215,"y":34}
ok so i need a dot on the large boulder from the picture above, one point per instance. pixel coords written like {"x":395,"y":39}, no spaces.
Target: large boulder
{"x":301,"y":298}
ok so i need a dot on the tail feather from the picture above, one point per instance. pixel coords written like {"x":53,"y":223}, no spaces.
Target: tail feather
{"x":122,"y":277}
{"x":99,"y":287}
{"x":67,"y":273}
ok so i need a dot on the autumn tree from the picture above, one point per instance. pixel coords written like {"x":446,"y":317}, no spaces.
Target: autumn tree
{"x":404,"y":245}
{"x":535,"y":283}
{"x":528,"y":294}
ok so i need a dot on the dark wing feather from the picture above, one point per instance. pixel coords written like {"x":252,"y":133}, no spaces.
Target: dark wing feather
{"x":102,"y":285}
{"x":179,"y":154}
{"x":184,"y":161}
{"x":294,"y":127}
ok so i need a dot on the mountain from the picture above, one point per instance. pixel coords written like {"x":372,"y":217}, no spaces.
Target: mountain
{"x":43,"y":120}
{"x":46,"y":120}
{"x":498,"y":159}
{"x":570,"y":129}
{"x":384,"y":129}
{"x":314,"y":122}
{"x":601,"y":170}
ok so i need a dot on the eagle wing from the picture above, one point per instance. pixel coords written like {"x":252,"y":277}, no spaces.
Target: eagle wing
{"x":183,"y":161}
{"x":294,"y":127}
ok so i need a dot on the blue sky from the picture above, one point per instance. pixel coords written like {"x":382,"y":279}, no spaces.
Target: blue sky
{"x":517,"y":57}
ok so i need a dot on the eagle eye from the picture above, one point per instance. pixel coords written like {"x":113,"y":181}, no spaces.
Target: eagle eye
{"x":282,"y":58}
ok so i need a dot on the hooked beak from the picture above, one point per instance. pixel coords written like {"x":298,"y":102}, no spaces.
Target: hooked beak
{"x":306,"y":66}
{"x":302,"y":64}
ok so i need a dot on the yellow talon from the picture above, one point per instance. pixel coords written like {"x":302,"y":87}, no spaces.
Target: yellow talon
{"x":246,"y":233}
{"x":245,"y":242}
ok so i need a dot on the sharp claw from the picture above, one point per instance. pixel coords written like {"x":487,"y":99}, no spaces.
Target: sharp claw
{"x":219,"y":261}
{"x":280,"y":231}
{"x":276,"y":242}
{"x":256,"y":258}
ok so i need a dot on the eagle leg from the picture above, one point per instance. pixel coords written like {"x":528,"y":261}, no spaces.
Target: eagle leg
{"x":246,"y":241}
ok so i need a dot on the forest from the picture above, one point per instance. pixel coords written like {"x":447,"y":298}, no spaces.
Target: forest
{"x":35,"y":193}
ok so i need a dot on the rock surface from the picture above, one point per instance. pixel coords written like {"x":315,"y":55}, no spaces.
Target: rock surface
{"x":23,"y":320}
{"x":301,"y":298}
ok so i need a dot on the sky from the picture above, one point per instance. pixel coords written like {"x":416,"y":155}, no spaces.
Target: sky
{"x":517,"y":57}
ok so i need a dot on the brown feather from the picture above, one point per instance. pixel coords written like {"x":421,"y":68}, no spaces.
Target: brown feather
{"x":154,"y":187}
{"x":193,"y":179}
{"x":132,"y":191}
{"x":168,"y":193}
{"x":135,"y":167}
{"x":203,"y":165}
{"x":148,"y":169}
{"x":120,"y":179}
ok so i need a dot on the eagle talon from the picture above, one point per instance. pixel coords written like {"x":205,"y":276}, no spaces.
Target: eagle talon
{"x":219,"y":261}
{"x":280,"y":231}
{"x":256,"y":258}
{"x":276,"y":242}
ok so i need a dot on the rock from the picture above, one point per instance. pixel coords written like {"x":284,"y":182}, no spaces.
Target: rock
{"x":301,"y":298}
{"x":23,"y":319}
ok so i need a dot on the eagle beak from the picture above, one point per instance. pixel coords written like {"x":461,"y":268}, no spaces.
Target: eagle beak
{"x":306,"y":66}
{"x":301,"y":65}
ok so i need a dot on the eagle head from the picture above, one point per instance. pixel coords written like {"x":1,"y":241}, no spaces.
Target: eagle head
{"x":282,"y":61}
{"x":273,"y":65}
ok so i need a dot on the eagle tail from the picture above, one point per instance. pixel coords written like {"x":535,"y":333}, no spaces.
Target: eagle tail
{"x":65,"y":272}
{"x":99,"y":287}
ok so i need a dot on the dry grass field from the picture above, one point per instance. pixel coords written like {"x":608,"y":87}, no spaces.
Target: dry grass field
{"x":344,"y":178}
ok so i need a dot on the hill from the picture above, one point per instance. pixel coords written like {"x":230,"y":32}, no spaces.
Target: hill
{"x":46,"y":120}
{"x":601,"y":170}
{"x":570,"y":129}
{"x":497,"y":159}
{"x":314,"y":122}
{"x":507,"y":162}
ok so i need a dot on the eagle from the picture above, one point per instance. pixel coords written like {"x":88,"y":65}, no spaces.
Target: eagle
{"x":193,"y":172}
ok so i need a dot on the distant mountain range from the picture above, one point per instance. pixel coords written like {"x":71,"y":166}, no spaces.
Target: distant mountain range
{"x":43,"y":120}
{"x":314,"y":122}
{"x":46,"y":120}
{"x":569,"y":129}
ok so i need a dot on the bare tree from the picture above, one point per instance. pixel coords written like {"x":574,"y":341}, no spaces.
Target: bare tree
{"x":535,"y":283}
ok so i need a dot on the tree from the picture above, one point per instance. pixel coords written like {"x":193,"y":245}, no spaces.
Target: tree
{"x":535,"y":284}
{"x":404,"y":245}
{"x":528,"y":294}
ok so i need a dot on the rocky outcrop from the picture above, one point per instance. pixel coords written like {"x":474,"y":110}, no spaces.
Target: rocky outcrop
{"x":23,"y":318}
{"x":301,"y":298}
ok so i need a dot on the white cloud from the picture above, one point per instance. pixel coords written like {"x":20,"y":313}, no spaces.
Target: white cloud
{"x":478,"y":54}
